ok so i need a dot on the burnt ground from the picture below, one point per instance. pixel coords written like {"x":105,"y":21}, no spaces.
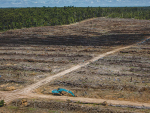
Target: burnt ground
{"x":30,"y":54}
{"x":92,"y":32}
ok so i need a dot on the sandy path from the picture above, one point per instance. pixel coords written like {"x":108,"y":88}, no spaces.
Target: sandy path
{"x":86,"y":20}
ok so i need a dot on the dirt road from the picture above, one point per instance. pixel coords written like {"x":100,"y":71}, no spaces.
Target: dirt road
{"x":50,"y":78}
{"x":28,"y":91}
{"x":80,"y":22}
{"x":90,"y":100}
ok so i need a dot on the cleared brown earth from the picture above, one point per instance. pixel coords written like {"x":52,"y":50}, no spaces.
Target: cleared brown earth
{"x":30,"y":55}
{"x":121,"y":76}
{"x":21,"y":66}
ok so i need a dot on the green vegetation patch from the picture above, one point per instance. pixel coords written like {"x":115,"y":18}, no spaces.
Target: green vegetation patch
{"x":16,"y":18}
{"x":2,"y":103}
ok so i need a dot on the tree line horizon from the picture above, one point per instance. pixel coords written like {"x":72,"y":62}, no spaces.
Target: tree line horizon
{"x":17,"y":18}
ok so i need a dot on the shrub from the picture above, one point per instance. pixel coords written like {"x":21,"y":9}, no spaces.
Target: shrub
{"x":2,"y":103}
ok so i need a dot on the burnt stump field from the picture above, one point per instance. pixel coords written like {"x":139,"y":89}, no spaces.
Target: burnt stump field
{"x":29,"y":55}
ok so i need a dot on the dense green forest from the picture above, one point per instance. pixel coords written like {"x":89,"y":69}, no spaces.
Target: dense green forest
{"x":12,"y":18}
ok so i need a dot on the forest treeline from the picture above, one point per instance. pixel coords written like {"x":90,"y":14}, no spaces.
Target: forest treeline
{"x":16,"y":18}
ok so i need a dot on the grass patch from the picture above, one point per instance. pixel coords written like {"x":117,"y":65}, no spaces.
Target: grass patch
{"x":12,"y":107}
{"x":32,"y":109}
